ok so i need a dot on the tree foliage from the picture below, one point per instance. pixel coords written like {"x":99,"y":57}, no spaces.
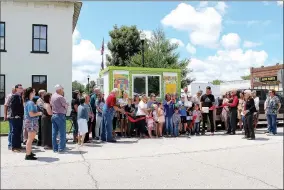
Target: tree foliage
{"x":217,"y":82}
{"x":92,"y":85}
{"x":81,"y":87}
{"x":125,"y":43}
{"x":246,"y":77}
{"x":78,"y":86}
{"x":161,"y":53}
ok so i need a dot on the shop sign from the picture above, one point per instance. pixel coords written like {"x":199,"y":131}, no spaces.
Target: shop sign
{"x":268,"y":79}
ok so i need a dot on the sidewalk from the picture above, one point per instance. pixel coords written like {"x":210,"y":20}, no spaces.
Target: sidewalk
{"x":219,"y":161}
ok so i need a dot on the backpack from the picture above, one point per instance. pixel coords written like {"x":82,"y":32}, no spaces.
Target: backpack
{"x":16,"y":106}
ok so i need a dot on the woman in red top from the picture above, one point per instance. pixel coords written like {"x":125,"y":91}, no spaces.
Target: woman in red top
{"x":233,"y":113}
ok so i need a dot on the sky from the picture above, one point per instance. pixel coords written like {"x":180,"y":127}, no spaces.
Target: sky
{"x":222,"y":39}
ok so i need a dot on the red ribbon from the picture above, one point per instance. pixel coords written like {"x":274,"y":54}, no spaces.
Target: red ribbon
{"x":133,"y":120}
{"x":193,"y":121}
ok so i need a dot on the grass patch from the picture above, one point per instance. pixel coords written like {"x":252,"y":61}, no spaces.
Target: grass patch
{"x":4,"y":126}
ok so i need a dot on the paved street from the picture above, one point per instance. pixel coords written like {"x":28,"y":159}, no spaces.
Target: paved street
{"x":200,"y":162}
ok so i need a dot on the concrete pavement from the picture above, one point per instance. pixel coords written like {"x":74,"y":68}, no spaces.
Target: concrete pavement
{"x":217,"y":161}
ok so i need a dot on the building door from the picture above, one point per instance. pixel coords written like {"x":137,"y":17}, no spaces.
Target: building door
{"x":39,"y":82}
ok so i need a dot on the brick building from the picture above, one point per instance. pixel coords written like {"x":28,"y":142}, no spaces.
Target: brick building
{"x":266,"y":77}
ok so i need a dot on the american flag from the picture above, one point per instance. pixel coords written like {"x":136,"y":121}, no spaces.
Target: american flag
{"x":102,"y":53}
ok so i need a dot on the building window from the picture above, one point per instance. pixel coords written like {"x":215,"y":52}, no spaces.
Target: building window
{"x":139,"y":85}
{"x":39,"y":43}
{"x":39,"y":82}
{"x":2,"y":89}
{"x":2,"y":36}
{"x":146,"y":85}
{"x":154,"y":85}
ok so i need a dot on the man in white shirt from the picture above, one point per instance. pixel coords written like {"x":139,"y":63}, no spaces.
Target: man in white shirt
{"x":142,"y":112}
{"x":256,"y":103}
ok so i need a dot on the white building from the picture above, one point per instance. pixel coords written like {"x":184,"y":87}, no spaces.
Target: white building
{"x":36,"y":45}
{"x":227,"y":86}
{"x":195,"y":86}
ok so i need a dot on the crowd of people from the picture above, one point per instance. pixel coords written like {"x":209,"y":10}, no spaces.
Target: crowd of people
{"x":140,"y":116}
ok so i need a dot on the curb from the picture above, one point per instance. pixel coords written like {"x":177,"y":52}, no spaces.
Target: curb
{"x":280,"y":126}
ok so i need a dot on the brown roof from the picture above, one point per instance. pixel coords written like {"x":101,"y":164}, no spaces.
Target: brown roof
{"x":77,"y":9}
{"x":268,"y":68}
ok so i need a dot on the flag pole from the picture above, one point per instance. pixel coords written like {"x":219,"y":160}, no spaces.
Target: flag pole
{"x":102,"y":53}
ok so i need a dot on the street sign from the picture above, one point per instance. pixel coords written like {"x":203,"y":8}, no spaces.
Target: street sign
{"x":280,"y":75}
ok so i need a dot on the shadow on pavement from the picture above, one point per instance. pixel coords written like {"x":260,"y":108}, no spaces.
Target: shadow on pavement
{"x":38,"y":150}
{"x":76,"y":152}
{"x":261,"y":139}
{"x":47,"y":159}
{"x":279,"y":134}
{"x":126,"y":142}
{"x":93,"y":145}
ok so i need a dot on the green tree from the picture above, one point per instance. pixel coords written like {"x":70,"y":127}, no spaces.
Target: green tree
{"x":78,"y":86}
{"x":90,"y":86}
{"x":246,"y":77}
{"x":125,"y":43}
{"x":217,"y":82}
{"x":159,"y":52}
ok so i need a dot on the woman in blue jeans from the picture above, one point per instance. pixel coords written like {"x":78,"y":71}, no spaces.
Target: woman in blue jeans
{"x":272,"y":108}
{"x":169,"y":112}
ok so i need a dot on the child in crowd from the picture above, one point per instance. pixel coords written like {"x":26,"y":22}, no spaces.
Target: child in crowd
{"x":150,"y":123}
{"x":129,"y":109}
{"x":83,"y":117}
{"x":183,"y":113}
{"x":155,"y":116}
{"x":197,"y":118}
{"x":176,"y":121}
{"x":115,"y":122}
{"x":161,"y":119}
{"x":122,"y":103}
{"x":189,"y":113}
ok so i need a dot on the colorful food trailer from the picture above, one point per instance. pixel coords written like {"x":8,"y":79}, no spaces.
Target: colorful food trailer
{"x":137,"y":80}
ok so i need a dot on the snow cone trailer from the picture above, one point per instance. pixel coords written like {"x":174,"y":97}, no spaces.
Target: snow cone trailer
{"x":137,"y":80}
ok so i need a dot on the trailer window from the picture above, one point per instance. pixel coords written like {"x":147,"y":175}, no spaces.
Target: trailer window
{"x":154,"y":85}
{"x":139,"y":85}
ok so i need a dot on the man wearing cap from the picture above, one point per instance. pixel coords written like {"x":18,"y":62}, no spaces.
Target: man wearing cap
{"x":207,"y":101}
{"x":58,"y":119}
{"x":16,"y":117}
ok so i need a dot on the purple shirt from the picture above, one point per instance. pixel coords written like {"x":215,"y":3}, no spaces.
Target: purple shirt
{"x":58,"y":104}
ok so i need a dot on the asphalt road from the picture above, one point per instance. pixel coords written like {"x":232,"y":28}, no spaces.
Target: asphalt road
{"x":217,"y":161}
